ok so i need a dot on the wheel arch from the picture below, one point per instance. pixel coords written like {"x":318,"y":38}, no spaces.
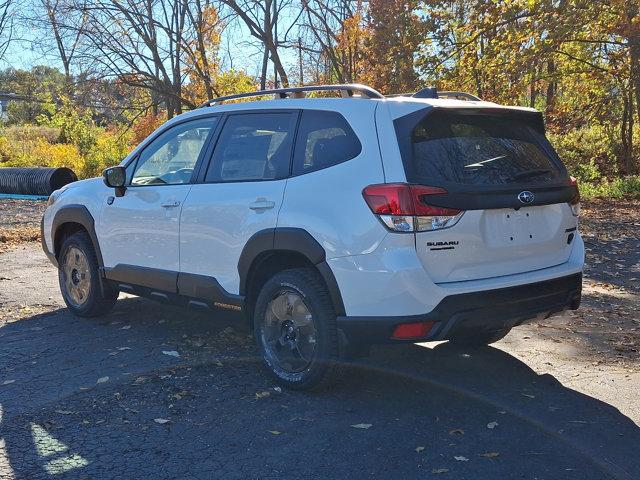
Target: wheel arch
{"x":272,"y":250}
{"x":69,"y":220}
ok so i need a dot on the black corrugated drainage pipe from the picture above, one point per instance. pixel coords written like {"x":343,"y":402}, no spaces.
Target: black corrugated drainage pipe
{"x":34,"y":181}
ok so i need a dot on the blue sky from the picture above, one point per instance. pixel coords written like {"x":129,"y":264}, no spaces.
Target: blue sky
{"x":238,"y":49}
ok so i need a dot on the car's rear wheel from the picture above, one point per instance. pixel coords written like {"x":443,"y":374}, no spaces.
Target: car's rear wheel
{"x":296,"y":331}
{"x":480,"y":338}
{"x":79,"y":279}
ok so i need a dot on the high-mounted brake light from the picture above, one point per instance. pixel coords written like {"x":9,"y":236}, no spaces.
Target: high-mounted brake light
{"x":405,"y":208}
{"x":574,"y":203}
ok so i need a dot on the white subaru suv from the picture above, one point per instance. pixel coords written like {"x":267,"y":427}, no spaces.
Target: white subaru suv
{"x":327,"y":224}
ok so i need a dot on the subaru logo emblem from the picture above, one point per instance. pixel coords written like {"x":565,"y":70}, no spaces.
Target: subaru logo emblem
{"x":525,"y":197}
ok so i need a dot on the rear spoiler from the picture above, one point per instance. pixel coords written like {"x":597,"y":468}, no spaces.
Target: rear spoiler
{"x":530,"y":115}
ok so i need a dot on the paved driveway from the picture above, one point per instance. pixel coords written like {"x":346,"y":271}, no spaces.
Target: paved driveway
{"x":156,"y":392}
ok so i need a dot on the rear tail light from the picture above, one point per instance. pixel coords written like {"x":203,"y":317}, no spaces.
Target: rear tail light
{"x":574,"y":203}
{"x":405,"y":208}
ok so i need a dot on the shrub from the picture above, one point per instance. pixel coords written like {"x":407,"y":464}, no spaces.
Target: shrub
{"x":587,"y":152}
{"x":109,"y":150}
{"x":25,"y":133}
{"x":617,"y":188}
{"x":72,"y":143}
{"x":40,"y":153}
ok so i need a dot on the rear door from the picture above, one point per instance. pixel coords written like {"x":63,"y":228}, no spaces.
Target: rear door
{"x":239,"y":194}
{"x":499,"y":169}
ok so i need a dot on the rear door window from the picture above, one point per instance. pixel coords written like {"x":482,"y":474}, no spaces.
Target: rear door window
{"x":324,"y":139}
{"x":480,"y":149}
{"x":253,"y":147}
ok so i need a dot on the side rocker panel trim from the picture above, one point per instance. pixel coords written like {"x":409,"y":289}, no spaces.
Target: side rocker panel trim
{"x":163,"y":280}
{"x":207,"y":288}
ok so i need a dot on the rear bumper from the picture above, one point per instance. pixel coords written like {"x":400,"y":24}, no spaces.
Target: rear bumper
{"x":467,"y":313}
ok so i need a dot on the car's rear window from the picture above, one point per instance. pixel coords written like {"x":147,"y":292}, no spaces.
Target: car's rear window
{"x":479,"y":149}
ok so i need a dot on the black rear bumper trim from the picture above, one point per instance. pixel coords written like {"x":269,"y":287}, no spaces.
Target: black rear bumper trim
{"x":457,"y":315}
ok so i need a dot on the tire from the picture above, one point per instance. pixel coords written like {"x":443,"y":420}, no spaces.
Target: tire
{"x":480,"y":338}
{"x":79,"y":277}
{"x":295,"y":329}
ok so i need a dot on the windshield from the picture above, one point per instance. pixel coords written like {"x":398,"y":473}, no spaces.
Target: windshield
{"x":480,"y":149}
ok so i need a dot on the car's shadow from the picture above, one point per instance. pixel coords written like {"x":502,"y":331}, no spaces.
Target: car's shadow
{"x":109,"y":398}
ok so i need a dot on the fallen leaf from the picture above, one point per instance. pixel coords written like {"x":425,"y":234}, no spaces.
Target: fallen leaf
{"x":461,"y":458}
{"x":161,"y":421}
{"x":171,"y":353}
{"x":490,"y":454}
{"x":103,"y":380}
{"x":437,"y":471}
{"x":362,"y":425}
{"x":180,"y":395}
{"x":275,"y":432}
{"x":492,"y":425}
{"x":419,"y":449}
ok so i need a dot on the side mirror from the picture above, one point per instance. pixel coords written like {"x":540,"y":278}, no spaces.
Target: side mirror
{"x":115,"y":177}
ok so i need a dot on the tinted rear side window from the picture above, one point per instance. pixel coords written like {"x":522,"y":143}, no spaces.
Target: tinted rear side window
{"x":255,"y":146}
{"x":480,"y":149}
{"x":324,"y":139}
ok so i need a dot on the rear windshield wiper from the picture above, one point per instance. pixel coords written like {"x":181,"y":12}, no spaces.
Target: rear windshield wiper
{"x":484,"y":163}
{"x":531,"y":173}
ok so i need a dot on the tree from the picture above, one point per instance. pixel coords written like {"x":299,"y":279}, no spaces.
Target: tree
{"x":59,"y":25}
{"x":262,"y":17}
{"x":574,"y":59}
{"x":395,"y":35}
{"x":6,"y":26}
{"x":43,"y":86}
{"x":336,"y":37}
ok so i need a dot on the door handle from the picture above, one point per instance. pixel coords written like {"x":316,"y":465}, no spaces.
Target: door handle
{"x":262,"y":204}
{"x":171,"y":204}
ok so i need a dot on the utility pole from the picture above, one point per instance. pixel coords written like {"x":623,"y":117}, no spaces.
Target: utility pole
{"x":275,"y":41}
{"x":300,"y":61}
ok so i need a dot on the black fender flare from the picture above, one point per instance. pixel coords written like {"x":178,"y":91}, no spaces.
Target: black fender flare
{"x":289,"y":239}
{"x":76,"y":213}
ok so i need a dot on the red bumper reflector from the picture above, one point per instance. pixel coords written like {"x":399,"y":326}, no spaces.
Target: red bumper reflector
{"x":405,"y":331}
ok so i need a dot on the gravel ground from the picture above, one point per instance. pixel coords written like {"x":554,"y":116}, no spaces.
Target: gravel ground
{"x":19,"y":221}
{"x":152,"y":391}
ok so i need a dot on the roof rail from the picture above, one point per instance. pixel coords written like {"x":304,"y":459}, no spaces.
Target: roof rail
{"x":432,"y":92}
{"x":346,"y":90}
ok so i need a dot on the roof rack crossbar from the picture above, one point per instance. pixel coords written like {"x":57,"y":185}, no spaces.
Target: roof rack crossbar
{"x":346,"y":90}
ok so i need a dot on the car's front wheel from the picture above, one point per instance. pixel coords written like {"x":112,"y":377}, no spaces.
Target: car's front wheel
{"x":79,"y":279}
{"x":296,"y":331}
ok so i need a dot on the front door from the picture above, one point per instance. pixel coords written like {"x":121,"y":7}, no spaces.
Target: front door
{"x":241,"y":194}
{"x":139,"y":231}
